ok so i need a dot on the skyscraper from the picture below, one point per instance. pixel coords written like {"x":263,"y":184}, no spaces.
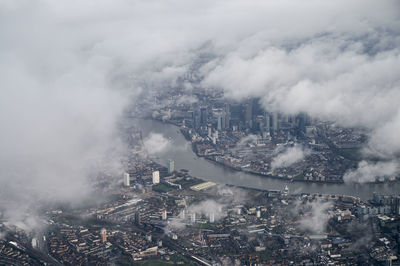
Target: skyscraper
{"x":203,"y":116}
{"x":126,"y":180}
{"x":156,"y":177}
{"x":249,"y":114}
{"x":212,"y":217}
{"x":275,"y":123}
{"x":171,"y":166}
{"x":103,"y":234}
{"x":138,"y":220}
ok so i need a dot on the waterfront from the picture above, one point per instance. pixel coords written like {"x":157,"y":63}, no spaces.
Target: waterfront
{"x":180,"y":151}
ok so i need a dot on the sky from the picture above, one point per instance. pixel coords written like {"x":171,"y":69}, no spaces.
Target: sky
{"x":69,"y":68}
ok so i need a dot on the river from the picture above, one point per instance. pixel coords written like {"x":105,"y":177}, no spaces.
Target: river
{"x":180,"y":151}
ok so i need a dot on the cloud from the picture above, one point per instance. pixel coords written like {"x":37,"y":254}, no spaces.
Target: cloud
{"x":288,"y":157}
{"x":249,"y":139}
{"x":206,"y":207}
{"x":156,"y":143}
{"x":187,"y":99}
{"x":369,"y":171}
{"x":69,"y":69}
{"x":315,"y":218}
{"x":337,"y":70}
{"x":174,"y":224}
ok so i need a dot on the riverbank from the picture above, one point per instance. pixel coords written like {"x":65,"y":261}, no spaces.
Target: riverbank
{"x":185,"y":133}
{"x":268,"y":176}
{"x":182,"y":154}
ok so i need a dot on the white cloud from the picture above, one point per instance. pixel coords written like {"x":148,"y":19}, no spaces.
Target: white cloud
{"x":288,"y":157}
{"x":156,"y":143}
{"x":316,"y":217}
{"x":206,"y":207}
{"x":369,"y":172}
{"x":69,"y":68}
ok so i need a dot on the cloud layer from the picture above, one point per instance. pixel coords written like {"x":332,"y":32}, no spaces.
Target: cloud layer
{"x":288,"y":157}
{"x":156,"y":143}
{"x":69,"y":68}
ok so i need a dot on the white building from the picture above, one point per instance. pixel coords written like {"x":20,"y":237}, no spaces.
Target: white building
{"x":156,"y":177}
{"x":171,"y":166}
{"x":212,"y":217}
{"x":164,"y":214}
{"x":126,"y":180}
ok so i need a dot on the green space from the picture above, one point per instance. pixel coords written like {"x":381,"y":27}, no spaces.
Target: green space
{"x":187,"y":183}
{"x":264,"y":255}
{"x":162,"y":188}
{"x":154,"y":263}
{"x":351,"y":153}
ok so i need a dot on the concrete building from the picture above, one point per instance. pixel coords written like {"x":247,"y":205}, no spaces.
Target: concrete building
{"x":126,"y":180}
{"x":212,"y":217}
{"x":171,"y":166}
{"x":103,"y":234}
{"x":156,"y":177}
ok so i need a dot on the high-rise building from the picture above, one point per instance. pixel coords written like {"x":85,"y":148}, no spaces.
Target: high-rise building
{"x":267,"y":122}
{"x":182,"y":214}
{"x":171,"y":166}
{"x":203,"y":116}
{"x":126,"y":180}
{"x":212,"y":217}
{"x":103,"y":234}
{"x":156,"y":177}
{"x":275,"y":123}
{"x":193,"y":217}
{"x":138,"y":220}
{"x":219,"y":122}
{"x":164,"y":214}
{"x":249,"y":114}
{"x":227,"y":116}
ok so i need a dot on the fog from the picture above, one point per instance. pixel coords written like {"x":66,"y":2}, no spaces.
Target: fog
{"x":69,"y":68}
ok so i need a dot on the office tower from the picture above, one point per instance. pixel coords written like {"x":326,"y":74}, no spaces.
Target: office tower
{"x":164,"y":214}
{"x":275,"y":123}
{"x":182,"y":214}
{"x":197,"y":120}
{"x":227,"y":116}
{"x":219,"y":122}
{"x":138,"y":220}
{"x":193,"y":217}
{"x":303,"y":121}
{"x":249,"y":114}
{"x":171,"y":166}
{"x":212,"y":217}
{"x":156,"y":177}
{"x":126,"y":180}
{"x":103,"y":234}
{"x":203,"y":116}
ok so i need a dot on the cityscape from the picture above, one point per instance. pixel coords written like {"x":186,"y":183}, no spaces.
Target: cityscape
{"x":200,"y":133}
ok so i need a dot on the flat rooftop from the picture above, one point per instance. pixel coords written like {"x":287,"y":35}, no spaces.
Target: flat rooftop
{"x":202,"y":186}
